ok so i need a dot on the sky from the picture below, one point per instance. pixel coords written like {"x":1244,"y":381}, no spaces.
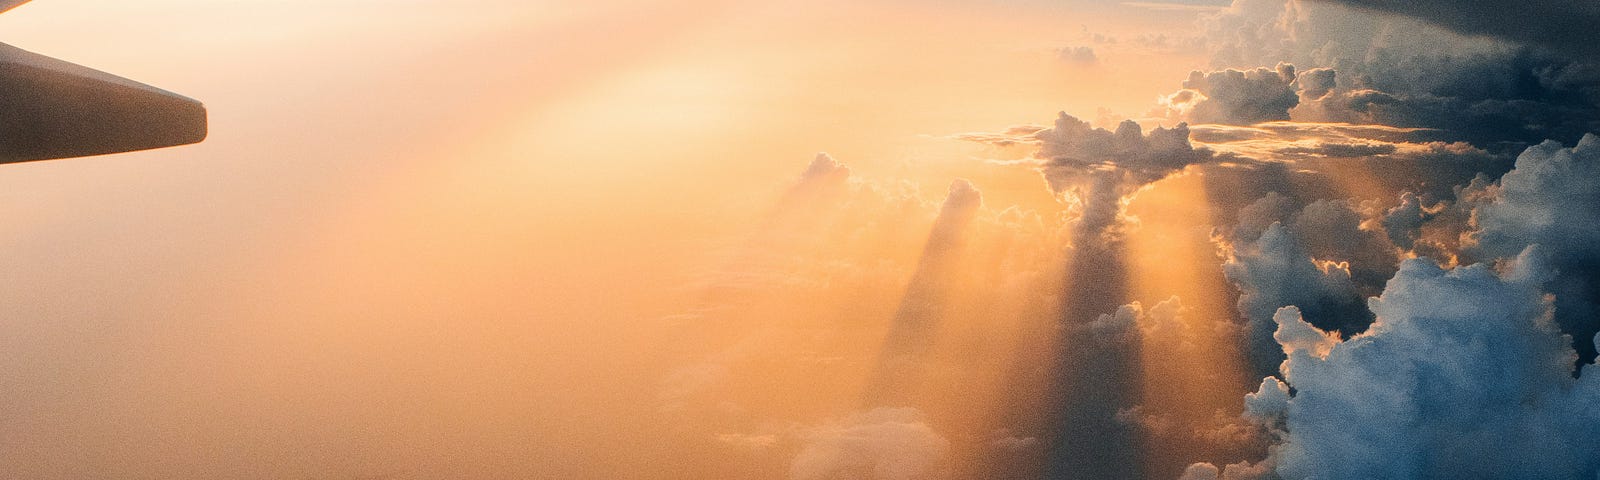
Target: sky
{"x":812,"y":240}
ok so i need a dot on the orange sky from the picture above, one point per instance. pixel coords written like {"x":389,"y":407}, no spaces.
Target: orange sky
{"x":436,"y":239}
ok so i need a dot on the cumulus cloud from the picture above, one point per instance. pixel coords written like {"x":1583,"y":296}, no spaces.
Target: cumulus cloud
{"x":1237,"y":97}
{"x":1335,"y":231}
{"x":1100,"y":168}
{"x":1423,"y":110}
{"x":1463,"y":376}
{"x":1090,"y":437}
{"x":1276,"y":271}
{"x":1404,"y":222}
{"x":1126,"y":416}
{"x":1321,"y":257}
{"x":1072,"y":150}
{"x":881,"y":444}
{"x":1551,"y":199}
{"x":1317,"y":83}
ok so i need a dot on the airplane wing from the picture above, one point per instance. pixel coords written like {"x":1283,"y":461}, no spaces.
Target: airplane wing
{"x":53,"y":109}
{"x":10,"y":4}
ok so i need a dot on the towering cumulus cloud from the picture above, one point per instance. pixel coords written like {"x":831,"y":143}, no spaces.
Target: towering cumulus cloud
{"x":1551,"y":199}
{"x":1463,"y":376}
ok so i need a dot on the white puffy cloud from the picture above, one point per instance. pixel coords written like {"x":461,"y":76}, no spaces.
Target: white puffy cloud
{"x":1298,"y":336}
{"x":1463,"y":376}
{"x":1551,"y":199}
{"x":1201,"y":471}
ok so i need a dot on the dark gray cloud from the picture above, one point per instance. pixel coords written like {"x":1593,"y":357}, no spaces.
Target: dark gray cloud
{"x":1404,"y":222}
{"x":1334,"y":230}
{"x":1400,"y":71}
{"x":1563,"y":26}
{"x":1316,"y":83}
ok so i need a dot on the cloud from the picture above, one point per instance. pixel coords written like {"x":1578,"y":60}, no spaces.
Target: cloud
{"x":1399,"y":71}
{"x":1317,"y":83}
{"x":1309,"y":157}
{"x":1238,"y":97}
{"x":1101,"y":168}
{"x":1334,"y":230}
{"x":1276,"y":271}
{"x":824,"y":168}
{"x":881,"y":444}
{"x":1131,"y":414}
{"x":1079,"y":56}
{"x":1404,"y":222}
{"x":1072,"y":150}
{"x":1014,"y":135}
{"x":1565,"y":26}
{"x":1464,"y":376}
{"x":1551,"y":199}
{"x":1341,"y":150}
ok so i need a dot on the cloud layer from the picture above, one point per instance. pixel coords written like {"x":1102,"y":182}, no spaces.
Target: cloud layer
{"x":1565,"y":26}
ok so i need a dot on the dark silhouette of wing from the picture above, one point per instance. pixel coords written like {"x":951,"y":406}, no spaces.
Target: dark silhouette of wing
{"x":54,"y":109}
{"x":10,"y":4}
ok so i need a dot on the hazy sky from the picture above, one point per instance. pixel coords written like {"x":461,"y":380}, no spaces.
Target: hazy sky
{"x":492,"y":239}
